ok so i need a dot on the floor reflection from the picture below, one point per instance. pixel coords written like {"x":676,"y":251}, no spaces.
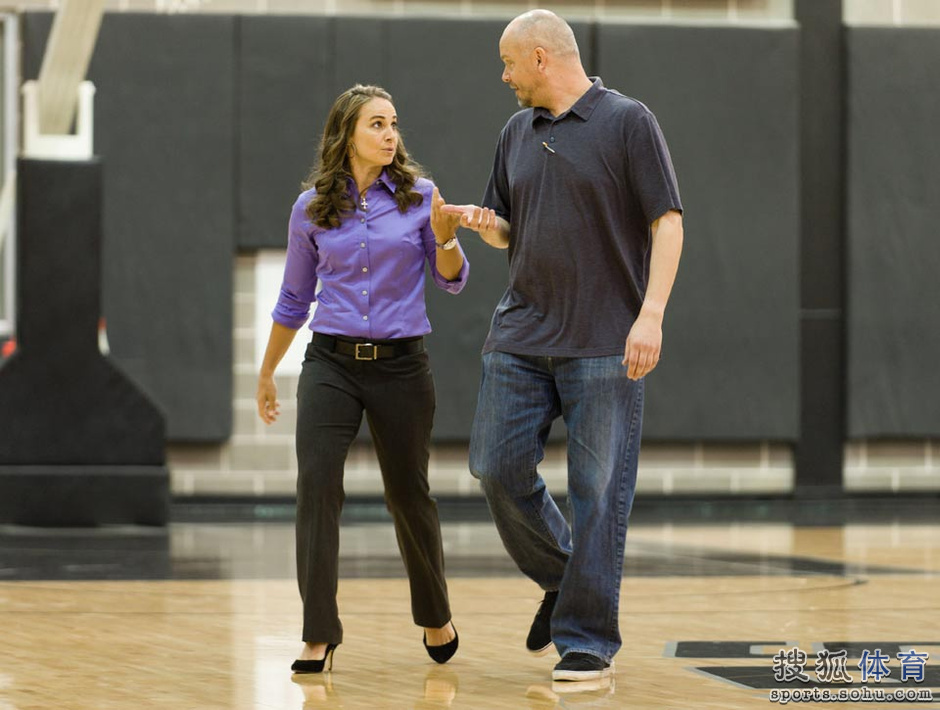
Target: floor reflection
{"x":441,"y":691}
{"x":598,"y":692}
{"x":323,"y":690}
{"x":207,"y":616}
{"x":317,"y":689}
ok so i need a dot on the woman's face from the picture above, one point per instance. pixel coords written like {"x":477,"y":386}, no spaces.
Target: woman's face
{"x":375,"y":138}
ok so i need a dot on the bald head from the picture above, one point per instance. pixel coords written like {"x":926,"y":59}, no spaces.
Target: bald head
{"x":542,"y":63}
{"x":543,"y":28}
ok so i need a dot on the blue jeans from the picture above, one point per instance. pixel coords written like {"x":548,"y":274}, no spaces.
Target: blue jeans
{"x":602,"y":408}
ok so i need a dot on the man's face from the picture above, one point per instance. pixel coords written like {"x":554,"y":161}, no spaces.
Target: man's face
{"x":519,"y":70}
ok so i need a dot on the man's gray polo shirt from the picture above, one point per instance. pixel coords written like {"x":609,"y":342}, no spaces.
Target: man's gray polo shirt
{"x":579,"y":192}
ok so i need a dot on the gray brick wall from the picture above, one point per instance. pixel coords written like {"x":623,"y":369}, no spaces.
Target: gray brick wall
{"x":260,"y":460}
{"x":868,"y":12}
{"x":671,"y":10}
{"x":877,"y":12}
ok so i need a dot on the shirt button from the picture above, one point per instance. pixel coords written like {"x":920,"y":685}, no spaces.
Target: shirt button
{"x":362,"y":244}
{"x":365,"y":269}
{"x":552,"y":139}
{"x":365,"y":293}
{"x":365,"y":318}
{"x":363,"y":219}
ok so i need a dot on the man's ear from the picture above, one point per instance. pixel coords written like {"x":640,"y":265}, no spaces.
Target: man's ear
{"x":539,"y":57}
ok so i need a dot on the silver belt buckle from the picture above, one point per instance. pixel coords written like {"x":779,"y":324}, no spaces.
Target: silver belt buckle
{"x":369,"y":355}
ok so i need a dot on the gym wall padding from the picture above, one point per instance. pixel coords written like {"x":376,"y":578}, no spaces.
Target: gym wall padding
{"x":208,"y":123}
{"x":79,"y":443}
{"x":728,"y":103}
{"x":446,"y":82}
{"x":893,"y":253}
{"x":284,"y":85}
{"x":61,"y":402}
{"x":164,"y":129}
{"x":444,"y":76}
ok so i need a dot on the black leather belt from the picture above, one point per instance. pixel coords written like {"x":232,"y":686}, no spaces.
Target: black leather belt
{"x":368,"y":351}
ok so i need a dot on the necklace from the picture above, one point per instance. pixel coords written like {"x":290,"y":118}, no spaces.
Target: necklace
{"x":363,"y":202}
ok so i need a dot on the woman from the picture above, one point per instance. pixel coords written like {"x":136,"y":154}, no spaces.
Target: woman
{"x":363,"y":229}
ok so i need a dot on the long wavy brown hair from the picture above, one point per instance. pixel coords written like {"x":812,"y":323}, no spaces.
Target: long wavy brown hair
{"x":332,"y":170}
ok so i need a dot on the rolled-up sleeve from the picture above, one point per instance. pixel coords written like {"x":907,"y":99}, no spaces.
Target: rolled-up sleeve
{"x":298,"y":289}
{"x":430,"y":248}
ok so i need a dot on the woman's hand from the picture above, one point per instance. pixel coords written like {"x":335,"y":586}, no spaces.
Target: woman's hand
{"x":268,"y":406}
{"x":444,"y":224}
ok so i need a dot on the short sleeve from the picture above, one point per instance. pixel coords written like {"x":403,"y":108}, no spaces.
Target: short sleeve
{"x":496,"y":196}
{"x":651,"y":170}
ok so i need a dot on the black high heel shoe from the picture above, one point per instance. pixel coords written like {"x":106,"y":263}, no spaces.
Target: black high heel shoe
{"x":316,"y":666}
{"x":444,"y":653}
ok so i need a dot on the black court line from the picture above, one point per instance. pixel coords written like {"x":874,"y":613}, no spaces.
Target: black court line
{"x":149,"y":554}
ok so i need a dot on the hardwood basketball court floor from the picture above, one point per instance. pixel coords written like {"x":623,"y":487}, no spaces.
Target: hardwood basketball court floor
{"x":205,"y":614}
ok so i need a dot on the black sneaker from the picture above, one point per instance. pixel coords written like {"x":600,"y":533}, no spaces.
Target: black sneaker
{"x":581,"y":666}
{"x":539,"y":641}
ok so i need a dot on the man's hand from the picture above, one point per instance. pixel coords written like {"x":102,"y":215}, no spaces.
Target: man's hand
{"x":493,"y":230}
{"x":643,"y":346}
{"x":479,"y":219}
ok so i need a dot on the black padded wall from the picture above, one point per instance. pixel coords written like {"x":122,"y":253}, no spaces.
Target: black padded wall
{"x":818,"y":455}
{"x":285,"y":88}
{"x":207,"y":124}
{"x":444,"y":76}
{"x":164,"y":128}
{"x":453,"y":103}
{"x":893,"y":301}
{"x":61,"y":402}
{"x":79,"y":443}
{"x":727,"y":101}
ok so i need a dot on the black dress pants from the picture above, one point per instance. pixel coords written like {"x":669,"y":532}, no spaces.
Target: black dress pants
{"x":397,"y":395}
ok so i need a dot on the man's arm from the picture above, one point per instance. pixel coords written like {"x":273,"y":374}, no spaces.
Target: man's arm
{"x":493,"y":230}
{"x":645,"y":340}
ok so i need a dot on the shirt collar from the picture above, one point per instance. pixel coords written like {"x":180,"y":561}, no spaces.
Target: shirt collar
{"x":382,"y":179}
{"x":387,"y":181}
{"x":583,"y":107}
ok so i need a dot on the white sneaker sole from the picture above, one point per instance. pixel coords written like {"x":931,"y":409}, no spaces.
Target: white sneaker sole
{"x":583,"y":675}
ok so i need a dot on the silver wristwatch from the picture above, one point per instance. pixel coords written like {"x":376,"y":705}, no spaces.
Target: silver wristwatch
{"x":449,"y":244}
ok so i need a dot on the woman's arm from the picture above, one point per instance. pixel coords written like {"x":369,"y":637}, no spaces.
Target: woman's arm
{"x":279,"y":341}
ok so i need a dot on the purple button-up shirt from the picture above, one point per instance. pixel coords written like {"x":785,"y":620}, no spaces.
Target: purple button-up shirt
{"x":370,"y":268}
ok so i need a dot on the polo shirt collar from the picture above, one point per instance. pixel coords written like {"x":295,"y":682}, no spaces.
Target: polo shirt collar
{"x":582,"y":108}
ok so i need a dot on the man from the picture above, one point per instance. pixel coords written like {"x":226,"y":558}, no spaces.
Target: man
{"x":583,"y":195}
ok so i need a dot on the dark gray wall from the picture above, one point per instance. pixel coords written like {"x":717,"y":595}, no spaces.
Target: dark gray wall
{"x":730,"y":367}
{"x":284,"y":88}
{"x":207,"y":124}
{"x":164,"y":128}
{"x":284,"y":104}
{"x":727,"y":101}
{"x":818,"y":456}
{"x":893,"y":111}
